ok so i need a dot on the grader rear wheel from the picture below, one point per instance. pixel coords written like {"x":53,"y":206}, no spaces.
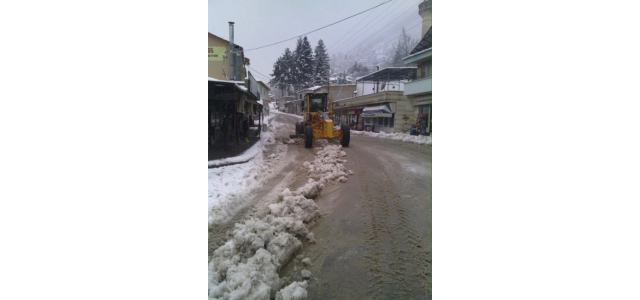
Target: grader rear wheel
{"x":346,"y":136}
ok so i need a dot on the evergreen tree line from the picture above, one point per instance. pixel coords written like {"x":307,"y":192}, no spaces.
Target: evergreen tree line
{"x":301,"y":68}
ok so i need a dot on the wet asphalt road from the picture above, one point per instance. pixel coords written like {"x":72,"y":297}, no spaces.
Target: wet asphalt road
{"x":374,"y":240}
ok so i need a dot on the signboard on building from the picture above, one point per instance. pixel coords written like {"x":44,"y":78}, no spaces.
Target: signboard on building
{"x":216,"y":53}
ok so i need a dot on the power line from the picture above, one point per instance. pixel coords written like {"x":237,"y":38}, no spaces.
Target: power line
{"x":387,"y":35}
{"x":374,"y":19}
{"x":259,"y":73}
{"x":354,"y":39}
{"x":360,"y":23}
{"x":318,"y":28}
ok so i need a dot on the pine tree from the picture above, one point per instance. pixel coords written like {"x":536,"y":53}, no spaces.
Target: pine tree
{"x":303,"y":73}
{"x":288,"y":65}
{"x":277,"y":75}
{"x":282,"y":72}
{"x":322,"y":67}
{"x":295,"y":71}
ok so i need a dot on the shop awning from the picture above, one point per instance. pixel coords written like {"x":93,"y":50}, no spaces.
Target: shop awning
{"x":217,"y":86}
{"x":376,"y":111}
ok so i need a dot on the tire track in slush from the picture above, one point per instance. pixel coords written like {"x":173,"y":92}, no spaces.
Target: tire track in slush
{"x":396,"y":260}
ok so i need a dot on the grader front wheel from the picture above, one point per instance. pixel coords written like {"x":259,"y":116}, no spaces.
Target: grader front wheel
{"x":308,"y":137}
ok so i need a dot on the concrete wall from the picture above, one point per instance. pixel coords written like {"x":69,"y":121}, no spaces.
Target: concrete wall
{"x":402,"y":108}
{"x":368,"y":88}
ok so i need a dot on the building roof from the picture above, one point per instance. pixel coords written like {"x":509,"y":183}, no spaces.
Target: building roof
{"x":228,"y":86}
{"x":424,"y":44}
{"x":389,"y":74}
{"x":264,"y":85}
{"x":226,"y":41}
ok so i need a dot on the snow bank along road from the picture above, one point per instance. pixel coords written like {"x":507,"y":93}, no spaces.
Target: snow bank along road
{"x":365,"y":234}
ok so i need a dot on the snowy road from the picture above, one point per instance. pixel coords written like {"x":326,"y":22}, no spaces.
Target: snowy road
{"x":375,"y":238}
{"x":365,"y":235}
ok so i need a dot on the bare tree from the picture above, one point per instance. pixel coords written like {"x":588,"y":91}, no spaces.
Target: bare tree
{"x":402,"y":47}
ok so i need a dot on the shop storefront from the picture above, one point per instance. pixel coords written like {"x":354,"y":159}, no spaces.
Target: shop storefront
{"x":425,"y":112}
{"x":379,"y":118}
{"x":224,"y":98}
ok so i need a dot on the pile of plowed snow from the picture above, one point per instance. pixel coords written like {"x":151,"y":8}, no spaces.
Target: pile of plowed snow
{"x":246,"y":266}
{"x":328,"y":165}
{"x":397,"y":136}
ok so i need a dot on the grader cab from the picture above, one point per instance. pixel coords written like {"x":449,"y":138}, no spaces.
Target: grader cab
{"x":318,"y":123}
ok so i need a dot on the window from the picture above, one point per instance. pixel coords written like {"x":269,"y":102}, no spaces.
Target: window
{"x":316,"y":104}
{"x":391,"y":121}
{"x":425,"y":70}
{"x":386,"y":122}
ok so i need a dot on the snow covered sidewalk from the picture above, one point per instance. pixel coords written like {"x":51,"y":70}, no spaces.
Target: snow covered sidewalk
{"x":397,"y":136}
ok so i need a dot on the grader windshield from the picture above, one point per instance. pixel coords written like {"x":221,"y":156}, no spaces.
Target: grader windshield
{"x":318,"y":103}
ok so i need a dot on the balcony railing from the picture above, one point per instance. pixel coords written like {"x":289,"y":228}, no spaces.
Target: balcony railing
{"x":417,"y":86}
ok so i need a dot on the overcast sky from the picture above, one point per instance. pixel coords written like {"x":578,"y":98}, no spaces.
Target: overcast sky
{"x":259,"y":23}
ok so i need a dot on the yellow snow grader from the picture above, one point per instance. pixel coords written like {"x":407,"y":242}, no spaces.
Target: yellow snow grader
{"x":318,"y":123}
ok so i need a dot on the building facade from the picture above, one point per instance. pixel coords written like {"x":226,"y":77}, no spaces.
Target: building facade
{"x":375,"y":105}
{"x":228,"y":90}
{"x":219,"y":60}
{"x":418,"y":90}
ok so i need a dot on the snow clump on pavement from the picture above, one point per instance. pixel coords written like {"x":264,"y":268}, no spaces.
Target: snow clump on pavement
{"x":306,"y":261}
{"x":295,"y":291}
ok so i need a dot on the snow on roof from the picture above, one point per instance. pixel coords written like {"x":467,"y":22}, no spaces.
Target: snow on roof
{"x":313,"y":88}
{"x":389,"y":74}
{"x":229,"y":81}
